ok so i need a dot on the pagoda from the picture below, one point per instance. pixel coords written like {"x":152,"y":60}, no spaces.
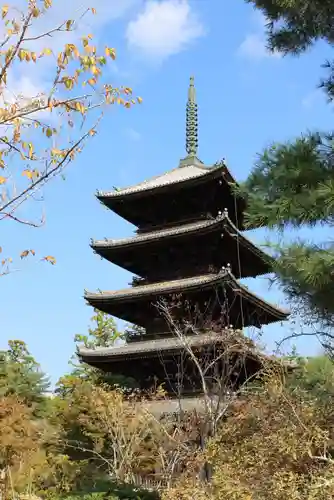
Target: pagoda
{"x":188,"y":249}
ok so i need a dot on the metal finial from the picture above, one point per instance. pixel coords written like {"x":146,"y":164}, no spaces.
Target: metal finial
{"x":191,"y":121}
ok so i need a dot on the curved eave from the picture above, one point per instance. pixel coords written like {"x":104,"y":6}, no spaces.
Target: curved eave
{"x":164,"y":235}
{"x":281,"y":314}
{"x":155,"y":289}
{"x":205,"y":174}
{"x":167,"y":345}
{"x":152,"y":291}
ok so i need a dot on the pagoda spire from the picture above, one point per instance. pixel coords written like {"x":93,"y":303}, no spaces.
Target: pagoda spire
{"x":191,"y":121}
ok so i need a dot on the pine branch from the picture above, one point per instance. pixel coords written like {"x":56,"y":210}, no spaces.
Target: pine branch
{"x":292,"y":184}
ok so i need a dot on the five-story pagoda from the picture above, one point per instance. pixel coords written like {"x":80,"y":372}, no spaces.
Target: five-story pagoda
{"x":188,"y":249}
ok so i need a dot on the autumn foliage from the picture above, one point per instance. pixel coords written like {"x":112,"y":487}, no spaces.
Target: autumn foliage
{"x":41,"y":135}
{"x":275,"y":443}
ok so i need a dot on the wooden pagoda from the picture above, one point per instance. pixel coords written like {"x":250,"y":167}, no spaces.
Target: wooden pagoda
{"x":188,"y":248}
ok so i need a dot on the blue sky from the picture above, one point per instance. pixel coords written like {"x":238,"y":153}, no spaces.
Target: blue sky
{"x":247,"y":98}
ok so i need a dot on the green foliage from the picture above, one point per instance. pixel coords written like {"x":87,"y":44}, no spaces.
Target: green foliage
{"x":314,"y":376}
{"x":292,"y":184}
{"x":103,"y":333}
{"x":21,"y":376}
{"x":274,"y":443}
{"x":293,"y":26}
{"x":115,"y":492}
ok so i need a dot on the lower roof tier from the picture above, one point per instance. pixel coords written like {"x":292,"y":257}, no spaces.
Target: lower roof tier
{"x":192,"y":247}
{"x":202,"y":300}
{"x":159,"y":361}
{"x":166,"y":345}
{"x":227,"y":355}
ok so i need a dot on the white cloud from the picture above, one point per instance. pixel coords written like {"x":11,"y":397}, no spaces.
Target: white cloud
{"x":253,"y":47}
{"x":164,"y":28}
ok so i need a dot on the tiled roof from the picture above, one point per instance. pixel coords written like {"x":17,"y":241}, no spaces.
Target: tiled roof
{"x":160,"y":287}
{"x":154,"y":235}
{"x":177,"y":175}
{"x":181,"y":285}
{"x":146,"y":347}
{"x":220,"y":220}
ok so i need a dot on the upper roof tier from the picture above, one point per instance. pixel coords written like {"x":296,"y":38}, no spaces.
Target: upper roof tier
{"x":182,"y":194}
{"x":194,"y":247}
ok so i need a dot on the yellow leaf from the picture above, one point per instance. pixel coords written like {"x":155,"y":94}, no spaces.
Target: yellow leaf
{"x":34,"y":56}
{"x":4,"y":11}
{"x":73,"y":49}
{"x":2,"y":180}
{"x":28,"y":57}
{"x":0,"y":249}
{"x":32,"y":252}
{"x":27,"y":173}
{"x":68,"y":83}
{"x":47,"y":4}
{"x":95,"y":70}
{"x":92,"y":132}
{"x":80,"y":107}
{"x":69,"y":24}
{"x":16,"y":27}
{"x":35,"y":12}
{"x":110,"y":52}
{"x":90,"y":36}
{"x":50,"y":259}
{"x":93,"y":10}
{"x":139,"y":100}
{"x":56,"y":151}
{"x":47,"y":52}
{"x":25,"y":253}
{"x":90,"y":49}
{"x":49,"y":132}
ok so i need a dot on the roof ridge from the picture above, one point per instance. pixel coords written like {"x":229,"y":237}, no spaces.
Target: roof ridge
{"x":162,"y":342}
{"x":170,"y":286}
{"x":188,"y":227}
{"x":150,"y":183}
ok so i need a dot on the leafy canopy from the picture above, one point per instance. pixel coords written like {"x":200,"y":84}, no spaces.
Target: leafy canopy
{"x":21,"y":376}
{"x":292,"y":184}
{"x":40,"y":135}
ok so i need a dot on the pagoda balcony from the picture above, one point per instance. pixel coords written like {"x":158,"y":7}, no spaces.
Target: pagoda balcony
{"x":186,"y":250}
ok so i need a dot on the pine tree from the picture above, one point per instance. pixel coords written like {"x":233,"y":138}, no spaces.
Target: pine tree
{"x":292,"y":184}
{"x":21,"y":376}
